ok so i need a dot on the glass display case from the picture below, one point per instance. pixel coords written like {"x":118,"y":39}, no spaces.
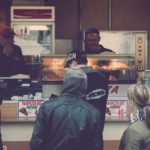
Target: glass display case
{"x":124,"y":65}
{"x":34,"y":38}
{"x":52,"y":67}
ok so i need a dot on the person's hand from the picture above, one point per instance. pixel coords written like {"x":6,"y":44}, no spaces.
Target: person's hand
{"x":7,"y":50}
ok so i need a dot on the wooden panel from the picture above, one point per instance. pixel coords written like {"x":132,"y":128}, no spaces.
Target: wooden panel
{"x":2,"y":18}
{"x":111,"y":144}
{"x":4,"y":13}
{"x":9,"y":110}
{"x":66,"y":19}
{"x":17,"y":145}
{"x":95,"y":13}
{"x":27,"y":2}
{"x":131,"y":15}
{"x":108,"y":145}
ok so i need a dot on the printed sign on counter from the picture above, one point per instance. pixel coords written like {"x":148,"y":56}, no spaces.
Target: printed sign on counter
{"x":118,"y":90}
{"x":28,"y":108}
{"x":116,"y":109}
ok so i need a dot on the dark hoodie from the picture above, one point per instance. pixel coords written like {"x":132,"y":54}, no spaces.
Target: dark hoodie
{"x":75,"y":83}
{"x":68,"y":122}
{"x":97,"y":89}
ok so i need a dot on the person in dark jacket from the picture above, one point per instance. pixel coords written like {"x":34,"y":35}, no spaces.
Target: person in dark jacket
{"x":92,"y":39}
{"x":11,"y":58}
{"x":137,"y":135}
{"x":68,"y":122}
{"x":97,"y":83}
{"x":92,"y":46}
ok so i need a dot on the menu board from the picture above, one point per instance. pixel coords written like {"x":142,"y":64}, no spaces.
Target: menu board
{"x":28,"y":108}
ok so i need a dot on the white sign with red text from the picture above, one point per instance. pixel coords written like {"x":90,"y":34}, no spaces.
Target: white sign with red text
{"x":116,"y":108}
{"x":28,"y":108}
{"x":118,"y":90}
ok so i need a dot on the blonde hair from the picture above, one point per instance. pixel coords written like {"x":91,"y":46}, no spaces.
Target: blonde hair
{"x":140,"y":95}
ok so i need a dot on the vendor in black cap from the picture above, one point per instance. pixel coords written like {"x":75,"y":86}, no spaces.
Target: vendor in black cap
{"x":11,"y":57}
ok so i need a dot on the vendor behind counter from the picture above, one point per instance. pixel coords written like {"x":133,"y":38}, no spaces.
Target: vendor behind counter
{"x":11,"y":57}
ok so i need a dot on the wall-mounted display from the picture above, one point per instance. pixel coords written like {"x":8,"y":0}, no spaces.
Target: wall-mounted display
{"x":52,"y":66}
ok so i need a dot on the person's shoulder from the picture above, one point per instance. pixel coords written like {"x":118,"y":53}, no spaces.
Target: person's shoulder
{"x":53,"y":100}
{"x":130,"y":138}
{"x":100,"y":74}
{"x":89,"y":51}
{"x":87,"y":106}
{"x":139,"y":126}
{"x":97,"y":74}
{"x":16,"y":47}
{"x":106,"y":50}
{"x":17,"y":50}
{"x":51,"y":103}
{"x":136,"y":129}
{"x":109,"y":50}
{"x":130,"y":132}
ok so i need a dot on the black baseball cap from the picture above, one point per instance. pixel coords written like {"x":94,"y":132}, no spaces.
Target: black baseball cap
{"x":77,"y":55}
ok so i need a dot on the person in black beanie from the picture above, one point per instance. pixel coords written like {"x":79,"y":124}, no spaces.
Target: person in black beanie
{"x":97,"y":83}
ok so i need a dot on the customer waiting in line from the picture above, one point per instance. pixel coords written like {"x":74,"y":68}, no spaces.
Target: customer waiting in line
{"x":137,"y":135}
{"x":97,"y":82}
{"x":67,"y":122}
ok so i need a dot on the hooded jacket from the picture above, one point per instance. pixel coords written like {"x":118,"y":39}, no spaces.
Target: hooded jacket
{"x":136,"y":137}
{"x":68,"y":122}
{"x":97,"y":89}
